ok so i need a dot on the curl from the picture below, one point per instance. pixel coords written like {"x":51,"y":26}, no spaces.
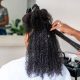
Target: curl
{"x":40,"y":19}
{"x":34,"y":7}
{"x":43,"y":49}
{"x":28,"y":10}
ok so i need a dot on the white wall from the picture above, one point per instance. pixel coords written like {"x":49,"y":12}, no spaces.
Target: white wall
{"x":30,"y":3}
{"x":66,"y":11}
{"x":16,"y":8}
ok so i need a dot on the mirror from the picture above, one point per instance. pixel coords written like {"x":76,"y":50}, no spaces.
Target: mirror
{"x":16,"y":10}
{"x":66,"y":11}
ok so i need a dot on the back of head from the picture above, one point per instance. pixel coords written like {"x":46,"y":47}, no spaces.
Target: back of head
{"x":43,"y":49}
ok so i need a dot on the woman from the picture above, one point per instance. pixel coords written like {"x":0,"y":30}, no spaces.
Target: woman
{"x":43,"y":61}
{"x":4,"y":19}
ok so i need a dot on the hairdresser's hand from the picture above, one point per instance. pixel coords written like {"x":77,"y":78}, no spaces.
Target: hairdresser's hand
{"x":61,"y":27}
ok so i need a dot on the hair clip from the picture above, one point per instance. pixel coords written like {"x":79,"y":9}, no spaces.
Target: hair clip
{"x":28,"y":10}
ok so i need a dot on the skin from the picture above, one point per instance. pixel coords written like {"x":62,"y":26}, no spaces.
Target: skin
{"x":6,"y":18}
{"x":66,"y":29}
{"x":26,"y":39}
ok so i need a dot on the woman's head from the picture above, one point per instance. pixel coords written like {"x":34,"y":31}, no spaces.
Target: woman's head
{"x":1,"y":1}
{"x":43,"y":48}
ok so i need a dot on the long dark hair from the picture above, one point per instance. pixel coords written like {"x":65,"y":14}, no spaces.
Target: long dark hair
{"x":44,"y":53}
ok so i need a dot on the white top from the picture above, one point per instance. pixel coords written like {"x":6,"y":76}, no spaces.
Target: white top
{"x":15,"y":70}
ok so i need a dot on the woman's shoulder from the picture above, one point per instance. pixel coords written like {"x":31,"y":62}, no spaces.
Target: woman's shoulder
{"x":14,"y":69}
{"x":4,"y":9}
{"x":17,"y":68}
{"x":14,"y":65}
{"x":65,"y":73}
{"x":15,"y":62}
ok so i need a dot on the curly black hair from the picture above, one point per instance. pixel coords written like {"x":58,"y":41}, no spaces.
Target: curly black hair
{"x":44,"y":53}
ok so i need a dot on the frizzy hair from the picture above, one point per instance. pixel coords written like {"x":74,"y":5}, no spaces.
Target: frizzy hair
{"x":43,"y":50}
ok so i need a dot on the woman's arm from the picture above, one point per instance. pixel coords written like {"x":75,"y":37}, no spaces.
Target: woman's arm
{"x":76,"y":34}
{"x":5,"y":21}
{"x":66,"y":29}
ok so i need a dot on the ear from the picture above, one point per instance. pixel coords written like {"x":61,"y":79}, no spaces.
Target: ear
{"x":26,"y":39}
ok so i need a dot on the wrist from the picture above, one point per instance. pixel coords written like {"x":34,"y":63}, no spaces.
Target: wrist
{"x":74,"y":32}
{"x":69,"y":30}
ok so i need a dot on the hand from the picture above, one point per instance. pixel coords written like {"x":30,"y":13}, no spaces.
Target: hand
{"x":62,"y":27}
{"x":56,"y":25}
